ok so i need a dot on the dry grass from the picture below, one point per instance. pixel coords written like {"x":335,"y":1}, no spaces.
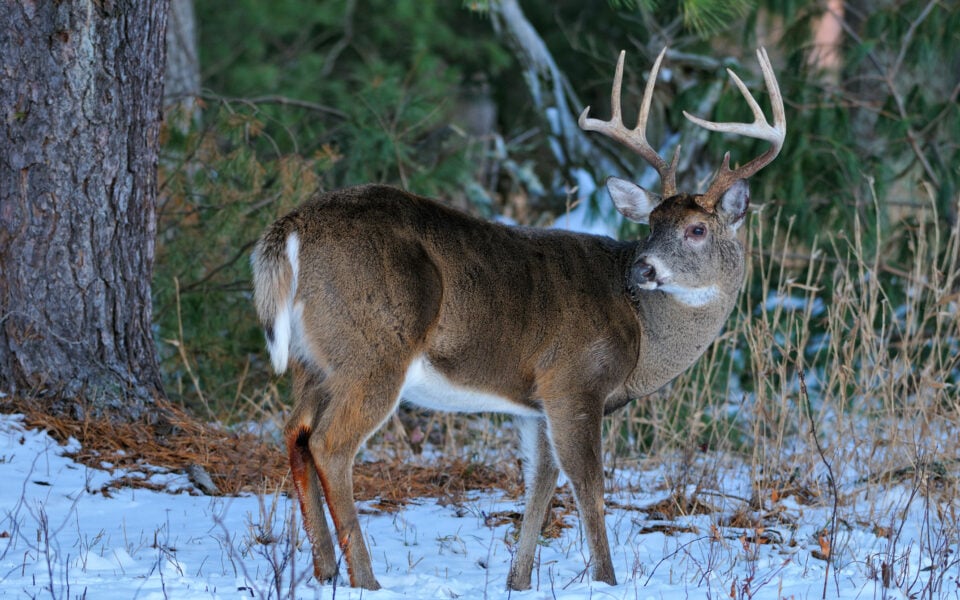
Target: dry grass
{"x":851,"y":361}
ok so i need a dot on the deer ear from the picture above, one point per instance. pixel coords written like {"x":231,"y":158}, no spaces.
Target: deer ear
{"x":733,"y":205}
{"x":633,"y":202}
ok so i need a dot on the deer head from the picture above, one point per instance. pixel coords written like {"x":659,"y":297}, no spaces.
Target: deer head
{"x":700,"y":217}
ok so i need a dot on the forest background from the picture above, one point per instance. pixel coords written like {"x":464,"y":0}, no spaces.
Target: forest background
{"x":841,"y":363}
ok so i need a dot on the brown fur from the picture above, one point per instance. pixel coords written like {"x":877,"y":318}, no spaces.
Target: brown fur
{"x":549,"y":321}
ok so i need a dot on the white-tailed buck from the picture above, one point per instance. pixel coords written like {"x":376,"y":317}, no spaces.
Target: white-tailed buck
{"x":371,"y":294}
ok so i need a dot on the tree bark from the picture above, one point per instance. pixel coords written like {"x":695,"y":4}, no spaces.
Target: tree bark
{"x":81,"y":84}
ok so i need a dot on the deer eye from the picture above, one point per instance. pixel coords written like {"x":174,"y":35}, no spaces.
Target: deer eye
{"x":695,"y":232}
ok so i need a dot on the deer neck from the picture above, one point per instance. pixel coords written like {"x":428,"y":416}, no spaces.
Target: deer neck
{"x":676,"y":329}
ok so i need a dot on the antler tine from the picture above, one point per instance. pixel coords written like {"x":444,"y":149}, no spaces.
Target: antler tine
{"x":759,"y":129}
{"x":616,"y":117}
{"x":636,"y":138}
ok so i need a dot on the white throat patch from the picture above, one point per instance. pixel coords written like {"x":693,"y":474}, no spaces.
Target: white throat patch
{"x":694,"y":297}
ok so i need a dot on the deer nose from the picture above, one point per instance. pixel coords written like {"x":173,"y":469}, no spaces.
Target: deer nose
{"x":643,"y":272}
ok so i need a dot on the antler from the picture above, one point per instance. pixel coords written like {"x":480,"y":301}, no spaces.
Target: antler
{"x":759,"y":129}
{"x":636,"y":138}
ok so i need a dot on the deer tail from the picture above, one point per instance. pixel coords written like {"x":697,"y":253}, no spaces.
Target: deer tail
{"x":275,"y":262}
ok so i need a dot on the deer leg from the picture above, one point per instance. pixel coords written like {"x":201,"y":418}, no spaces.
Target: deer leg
{"x":576,"y":431}
{"x":311,"y":498}
{"x":348,"y":422}
{"x":540,"y":480}
{"x":310,"y":399}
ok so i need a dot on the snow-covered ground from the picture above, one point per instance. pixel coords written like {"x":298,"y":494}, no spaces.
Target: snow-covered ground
{"x":60,"y":537}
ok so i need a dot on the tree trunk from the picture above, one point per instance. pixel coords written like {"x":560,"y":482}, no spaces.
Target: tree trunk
{"x":182,"y":75}
{"x":80,"y":89}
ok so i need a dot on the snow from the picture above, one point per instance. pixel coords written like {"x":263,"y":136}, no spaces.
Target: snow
{"x":61,"y":537}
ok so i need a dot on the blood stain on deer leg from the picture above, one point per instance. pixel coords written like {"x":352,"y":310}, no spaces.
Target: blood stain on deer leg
{"x":306,"y":483}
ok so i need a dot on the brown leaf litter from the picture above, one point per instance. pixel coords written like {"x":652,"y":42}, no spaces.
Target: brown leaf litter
{"x":170,"y":439}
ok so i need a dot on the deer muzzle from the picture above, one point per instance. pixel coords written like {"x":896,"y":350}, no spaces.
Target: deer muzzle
{"x":644,"y":275}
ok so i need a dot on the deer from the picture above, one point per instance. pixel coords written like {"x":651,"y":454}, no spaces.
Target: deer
{"x":372,"y":294}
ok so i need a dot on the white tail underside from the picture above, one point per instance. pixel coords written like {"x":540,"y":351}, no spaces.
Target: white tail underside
{"x":287,"y":317}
